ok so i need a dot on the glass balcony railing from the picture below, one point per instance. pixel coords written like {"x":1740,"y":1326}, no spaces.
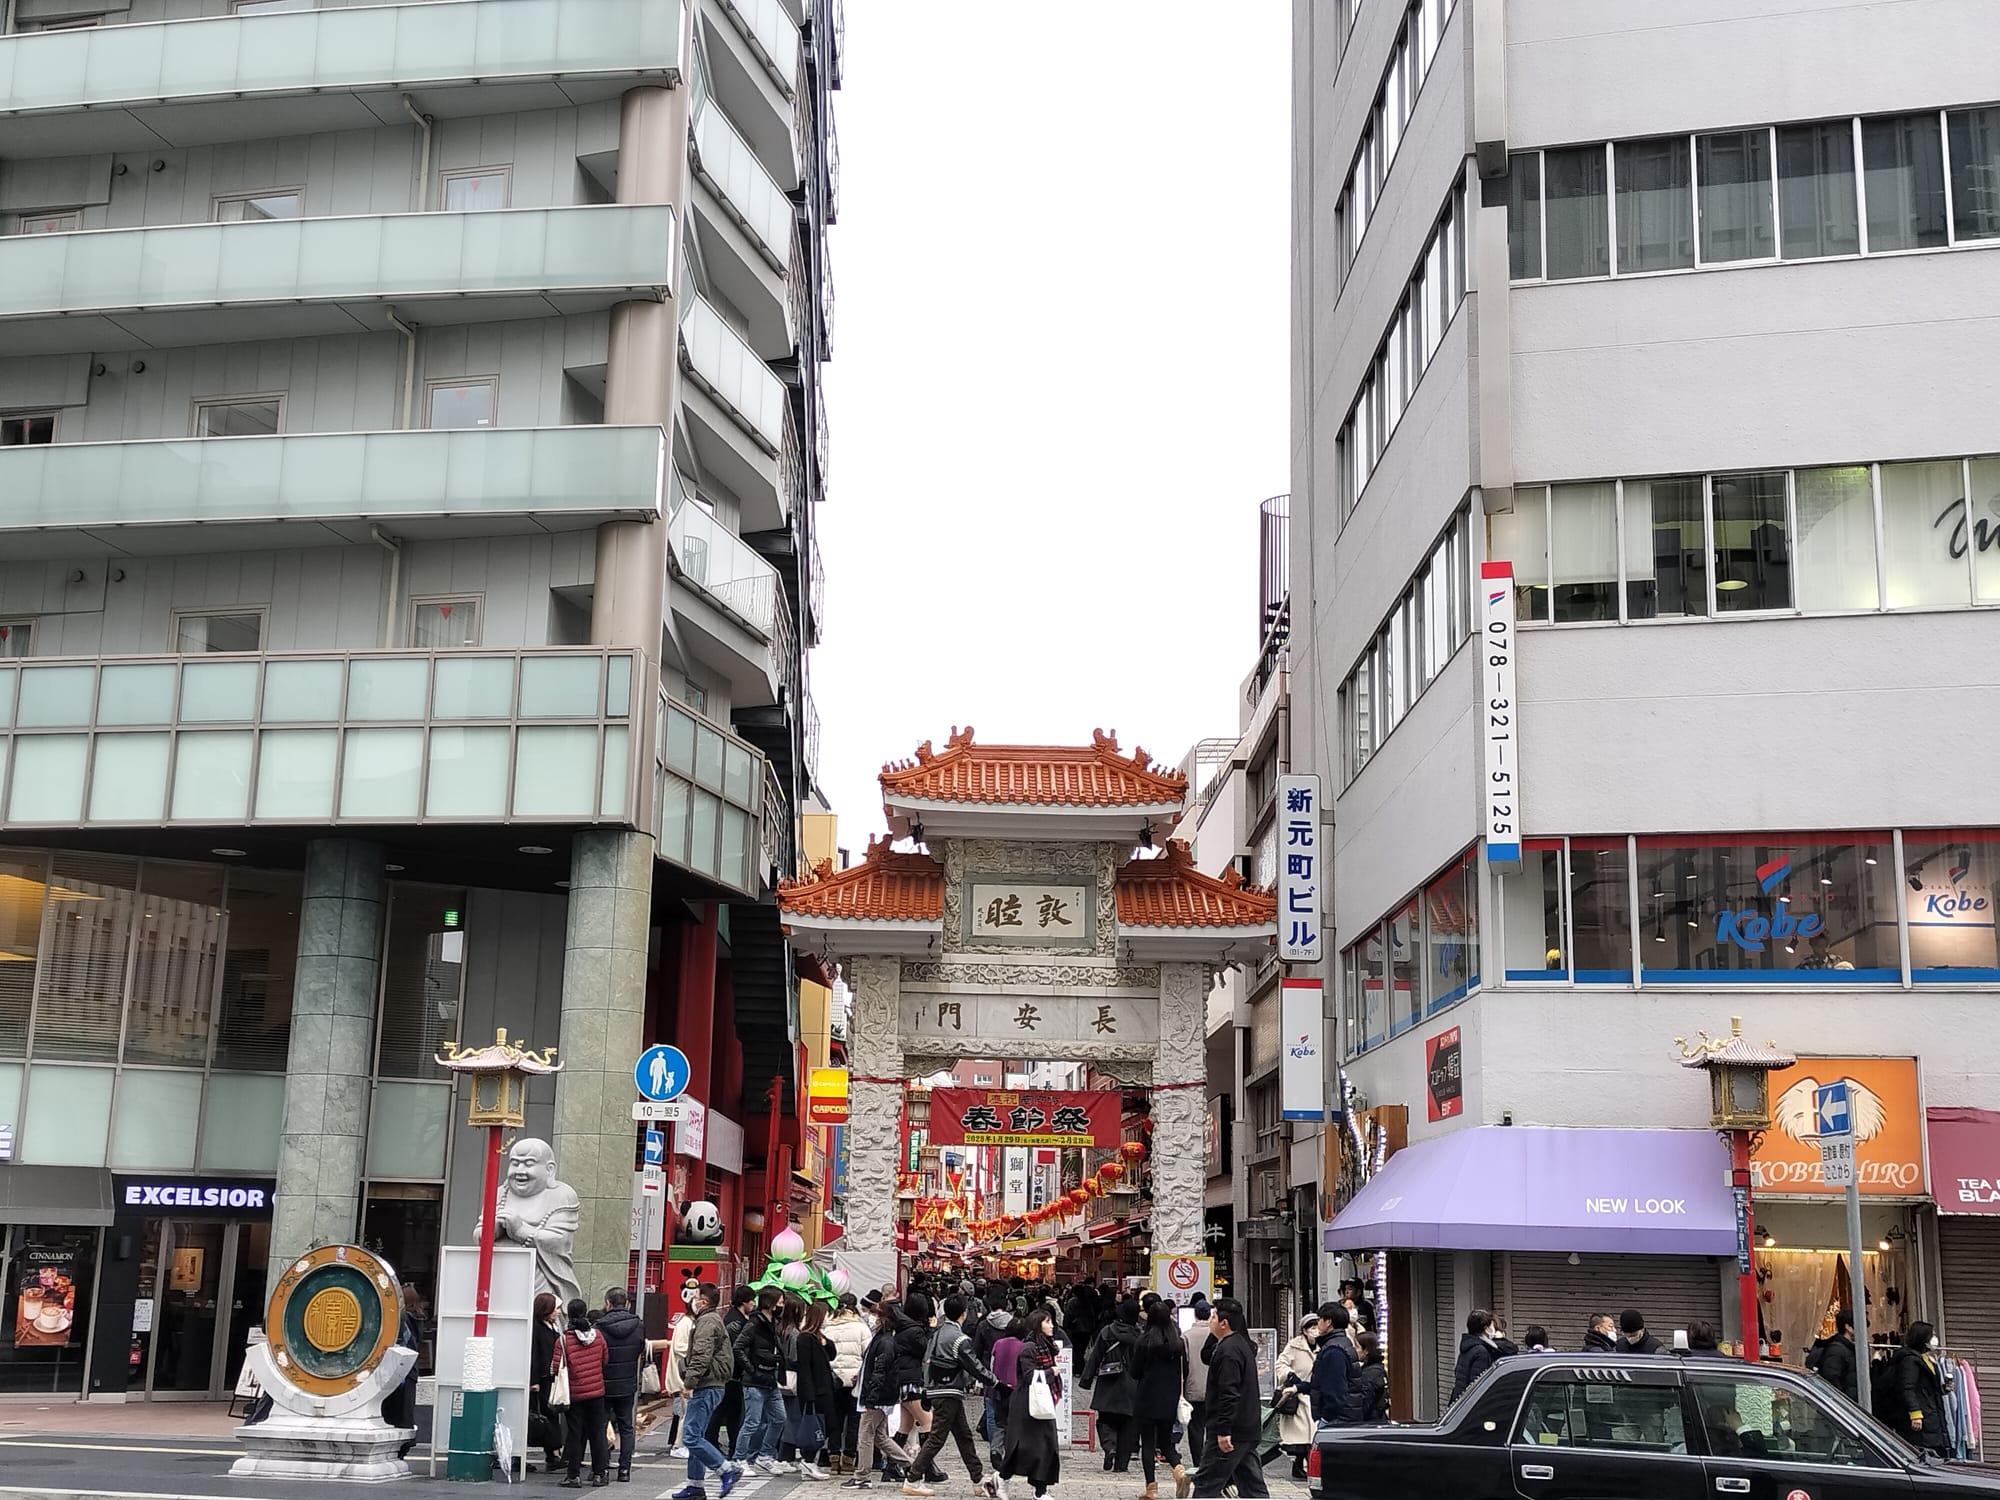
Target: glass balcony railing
{"x":816,"y":591}
{"x":744,"y":184}
{"x":775,"y":36}
{"x":723,"y":566}
{"x":714,"y":798}
{"x":561,"y":477}
{"x":730,"y":371}
{"x":385,"y":47}
{"x":617,"y":250}
{"x":322,"y":738}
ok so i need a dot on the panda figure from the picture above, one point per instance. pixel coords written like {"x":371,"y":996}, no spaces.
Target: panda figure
{"x":701,"y":1224}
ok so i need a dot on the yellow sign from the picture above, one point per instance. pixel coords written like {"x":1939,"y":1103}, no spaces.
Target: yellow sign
{"x":826,"y":1096}
{"x":332,"y":1318}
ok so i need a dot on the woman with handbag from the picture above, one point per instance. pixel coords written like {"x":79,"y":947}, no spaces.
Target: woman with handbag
{"x":847,"y":1335}
{"x":580,"y":1365}
{"x":1107,"y":1370}
{"x":545,"y":1419}
{"x":1159,"y":1365}
{"x":1294,"y":1403}
{"x":1032,"y":1449}
{"x":811,"y":1404}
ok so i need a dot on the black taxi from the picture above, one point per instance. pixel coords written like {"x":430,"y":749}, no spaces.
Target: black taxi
{"x":1662,"y":1427}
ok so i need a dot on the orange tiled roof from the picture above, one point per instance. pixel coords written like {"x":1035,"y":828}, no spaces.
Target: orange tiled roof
{"x":1093,"y":775}
{"x":884,"y":887}
{"x":1168,"y":891}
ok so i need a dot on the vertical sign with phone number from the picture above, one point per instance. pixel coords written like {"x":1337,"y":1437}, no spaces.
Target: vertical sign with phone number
{"x":1499,"y":714}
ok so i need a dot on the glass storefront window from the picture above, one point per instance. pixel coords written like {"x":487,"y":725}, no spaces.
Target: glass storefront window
{"x":1451,"y":934}
{"x":173,"y":967}
{"x":1719,"y":908}
{"x":45,"y":1299}
{"x":1531,"y":905}
{"x":403,"y":1222}
{"x":1406,"y":1000}
{"x":1600,"y":899}
{"x":22,"y":889}
{"x":1374,"y":997}
{"x":83,"y":975}
{"x":259,"y":960}
{"x":1948,"y":893}
{"x":423,"y":964}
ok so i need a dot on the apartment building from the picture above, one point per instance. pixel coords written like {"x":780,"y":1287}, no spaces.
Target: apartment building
{"x":1644,"y":550}
{"x":411,"y":436}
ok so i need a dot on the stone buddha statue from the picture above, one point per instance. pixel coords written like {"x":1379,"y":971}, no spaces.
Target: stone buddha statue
{"x":537,"y":1211}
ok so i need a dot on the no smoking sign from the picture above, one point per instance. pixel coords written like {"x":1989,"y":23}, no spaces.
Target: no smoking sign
{"x":1182,"y":1278}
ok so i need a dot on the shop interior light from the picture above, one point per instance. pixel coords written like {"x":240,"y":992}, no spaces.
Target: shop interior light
{"x":1770,"y":1240}
{"x":1871,"y":860}
{"x":1882,"y":1245}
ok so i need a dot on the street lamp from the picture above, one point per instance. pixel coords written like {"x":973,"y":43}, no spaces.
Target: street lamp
{"x":499,"y":1074}
{"x":1739,"y":1079}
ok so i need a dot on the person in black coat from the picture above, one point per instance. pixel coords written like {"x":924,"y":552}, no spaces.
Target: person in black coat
{"x":547,"y":1431}
{"x":624,"y":1346}
{"x":1333,"y":1366}
{"x":1837,"y":1359}
{"x":913,"y":1341}
{"x":1368,"y":1388}
{"x":812,"y":1404}
{"x":879,"y":1389}
{"x":1107,"y":1370}
{"x":1920,"y":1392}
{"x":1632,"y":1335}
{"x":1602,"y":1335}
{"x":1031,"y":1449}
{"x":1235,"y":1409}
{"x":1159,"y":1365}
{"x":1482,"y":1346}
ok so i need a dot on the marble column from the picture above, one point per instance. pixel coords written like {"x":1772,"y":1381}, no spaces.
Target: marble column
{"x":328,"y":1061}
{"x":874,"y":1110}
{"x":603,"y":1025}
{"x":1179,"y":1158}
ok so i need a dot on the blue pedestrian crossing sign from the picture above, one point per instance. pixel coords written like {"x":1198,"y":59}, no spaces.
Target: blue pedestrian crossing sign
{"x":1830,"y":1112}
{"x":656,"y":1148}
{"x":661,"y":1073}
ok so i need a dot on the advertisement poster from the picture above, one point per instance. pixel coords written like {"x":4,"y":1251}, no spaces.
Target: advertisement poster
{"x":1885,"y":1108}
{"x":989,"y":1117}
{"x":1302,"y":1078}
{"x":46,"y":1310}
{"x":1444,"y":1075}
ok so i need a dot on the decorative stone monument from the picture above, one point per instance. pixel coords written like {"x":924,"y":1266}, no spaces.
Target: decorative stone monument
{"x":328,"y":1359}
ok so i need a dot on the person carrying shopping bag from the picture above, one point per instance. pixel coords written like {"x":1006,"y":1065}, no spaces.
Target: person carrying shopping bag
{"x":1032,"y":1449}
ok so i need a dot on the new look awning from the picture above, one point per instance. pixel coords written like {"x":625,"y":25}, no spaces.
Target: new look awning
{"x":1509,"y":1187}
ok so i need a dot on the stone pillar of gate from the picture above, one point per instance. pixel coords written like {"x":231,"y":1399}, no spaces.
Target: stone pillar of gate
{"x":1179,"y":1157}
{"x":875,"y":1105}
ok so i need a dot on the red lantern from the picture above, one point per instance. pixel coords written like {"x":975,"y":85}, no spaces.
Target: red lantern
{"x":1079,"y":1196}
{"x":1133,"y":1150}
{"x":1093,"y":1189}
{"x":1111,"y":1171}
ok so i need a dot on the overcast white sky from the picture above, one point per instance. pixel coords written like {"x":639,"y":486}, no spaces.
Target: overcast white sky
{"x":1058,"y":387}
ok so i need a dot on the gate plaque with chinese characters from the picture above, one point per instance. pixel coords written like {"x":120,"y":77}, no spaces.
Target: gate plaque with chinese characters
{"x":1033,"y":913}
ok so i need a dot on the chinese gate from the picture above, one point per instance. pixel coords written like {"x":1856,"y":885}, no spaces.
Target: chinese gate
{"x":1046,"y":915}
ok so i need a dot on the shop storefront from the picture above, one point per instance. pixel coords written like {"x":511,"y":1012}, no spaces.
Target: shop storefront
{"x":53,"y":1222}
{"x":184,"y":1279}
{"x":1965,"y":1177}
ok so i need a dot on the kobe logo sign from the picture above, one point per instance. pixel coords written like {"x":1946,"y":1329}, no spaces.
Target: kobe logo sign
{"x":1750,"y":929}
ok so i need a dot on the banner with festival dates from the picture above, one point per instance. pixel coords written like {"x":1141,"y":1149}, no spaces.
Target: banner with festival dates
{"x":1037,"y":1117}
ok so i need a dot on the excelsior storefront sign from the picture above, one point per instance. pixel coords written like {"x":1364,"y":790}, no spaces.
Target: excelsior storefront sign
{"x":1886,"y":1108}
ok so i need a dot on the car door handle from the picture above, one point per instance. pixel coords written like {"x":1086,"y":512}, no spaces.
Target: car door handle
{"x":1537,"y":1471}
{"x":1733,"y":1486}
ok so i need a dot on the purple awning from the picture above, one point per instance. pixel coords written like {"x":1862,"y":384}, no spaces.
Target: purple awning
{"x":1500,"y":1187}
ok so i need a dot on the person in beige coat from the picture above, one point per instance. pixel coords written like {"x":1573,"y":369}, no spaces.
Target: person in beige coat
{"x":1295,"y":1369}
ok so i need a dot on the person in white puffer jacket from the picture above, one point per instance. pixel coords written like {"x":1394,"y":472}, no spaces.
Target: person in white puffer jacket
{"x":849,"y":1333}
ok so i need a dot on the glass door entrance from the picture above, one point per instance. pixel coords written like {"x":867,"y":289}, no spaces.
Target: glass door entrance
{"x":195,"y":1342}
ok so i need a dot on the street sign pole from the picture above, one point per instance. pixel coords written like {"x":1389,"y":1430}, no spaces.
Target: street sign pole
{"x":1834,"y":1125}
{"x":1858,"y":1279}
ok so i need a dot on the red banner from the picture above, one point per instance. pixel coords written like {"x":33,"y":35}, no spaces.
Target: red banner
{"x":991,"y":1117}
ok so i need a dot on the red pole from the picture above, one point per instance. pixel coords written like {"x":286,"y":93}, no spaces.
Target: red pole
{"x":774,"y":1197}
{"x":1746,"y":1281}
{"x":486,"y":1232}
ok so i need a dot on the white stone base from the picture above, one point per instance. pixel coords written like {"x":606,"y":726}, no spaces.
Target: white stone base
{"x":357,"y":1448}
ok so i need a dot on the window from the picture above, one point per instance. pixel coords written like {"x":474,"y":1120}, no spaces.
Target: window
{"x":1950,"y":883}
{"x":1903,"y":161}
{"x":1396,"y":101}
{"x":16,"y":638}
{"x":254,"y":416}
{"x":1532,"y":903}
{"x":1600,"y":912}
{"x":1406,"y":996}
{"x":1737,"y":222}
{"x":1524,"y":216}
{"x":1975,"y":173}
{"x":1639,"y":1413}
{"x":1816,"y":190}
{"x":1583,"y":551}
{"x":1921,"y":503}
{"x":233,"y":630}
{"x":1521,"y":536}
{"x":1655,"y":218}
{"x":243,"y":208}
{"x":444,"y":624}
{"x":1753,"y":564}
{"x":1748,"y":1417}
{"x":27,"y":429}
{"x":477,"y":189}
{"x":267,"y":7}
{"x":48,"y":223}
{"x":1374,"y":998}
{"x":71,"y":25}
{"x":461,"y":403}
{"x":1712,"y":907}
{"x":1665,"y":550}
{"x":1451,"y":934}
{"x":695,"y":697}
{"x":1835,"y":544}
{"x":1574,"y":189}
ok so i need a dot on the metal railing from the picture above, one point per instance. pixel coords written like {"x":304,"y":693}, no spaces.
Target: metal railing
{"x":816,"y":590}
{"x":809,"y":735}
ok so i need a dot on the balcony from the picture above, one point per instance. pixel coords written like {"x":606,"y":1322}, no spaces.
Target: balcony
{"x":746,"y":228}
{"x":732,"y":613}
{"x":322,"y":489}
{"x":295,"y":278}
{"x":321,"y":739}
{"x":725,"y":161}
{"x":233,"y":78}
{"x":738,"y":425}
{"x":816,"y":592}
{"x":753,"y":56}
{"x":716,"y":806}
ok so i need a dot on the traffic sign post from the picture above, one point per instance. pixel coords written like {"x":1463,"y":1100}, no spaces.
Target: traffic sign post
{"x":654,"y":1111}
{"x":656,"y":1148}
{"x":1834,"y":1122}
{"x":661,"y":1076}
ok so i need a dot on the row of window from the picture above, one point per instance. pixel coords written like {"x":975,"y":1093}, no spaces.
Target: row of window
{"x":1785,"y":192}
{"x":1842,"y":538}
{"x":1428,"y":624}
{"x":1409,"y":64}
{"x":1436,"y":288}
{"x":436,"y":623}
{"x":470,"y":190}
{"x":1418,"y":960}
{"x":1881,"y":907}
{"x":449,"y":404}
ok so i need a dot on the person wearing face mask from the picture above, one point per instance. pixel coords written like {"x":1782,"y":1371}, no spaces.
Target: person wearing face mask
{"x":1920,"y":1392}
